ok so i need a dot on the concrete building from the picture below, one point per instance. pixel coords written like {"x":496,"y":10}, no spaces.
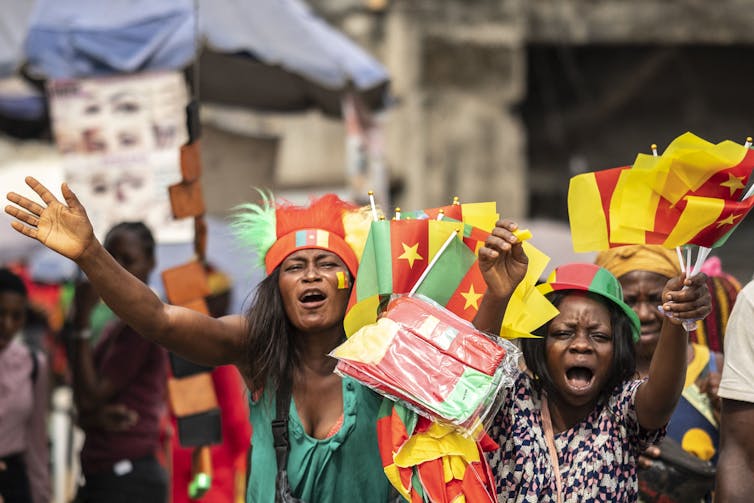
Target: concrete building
{"x":506,"y":99}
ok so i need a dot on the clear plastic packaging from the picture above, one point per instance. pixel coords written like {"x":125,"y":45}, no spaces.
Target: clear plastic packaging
{"x":438,"y":364}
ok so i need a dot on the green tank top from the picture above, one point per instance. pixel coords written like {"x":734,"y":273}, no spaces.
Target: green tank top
{"x":343,"y":467}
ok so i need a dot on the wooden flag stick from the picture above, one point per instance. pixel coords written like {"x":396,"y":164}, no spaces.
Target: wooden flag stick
{"x":374,"y":206}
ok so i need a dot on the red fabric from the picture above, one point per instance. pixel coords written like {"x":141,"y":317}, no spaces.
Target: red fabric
{"x":453,"y":211}
{"x":713,"y":188}
{"x":433,"y":376}
{"x":606,"y":180}
{"x":458,"y":304}
{"x":468,"y":347}
{"x":714,"y":232}
{"x":411,"y":233}
{"x":476,"y":238}
{"x":432,"y":478}
{"x":477,"y":483}
{"x":137,"y":370}
{"x":667,"y":214}
{"x":229,"y":457}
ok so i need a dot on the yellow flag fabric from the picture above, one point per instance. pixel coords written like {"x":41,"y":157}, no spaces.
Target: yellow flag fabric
{"x":700,"y":212}
{"x":438,"y":441}
{"x":528,"y":309}
{"x":690,"y":161}
{"x":482,"y":215}
{"x":588,"y":220}
{"x":369,"y":344}
{"x":361,"y":314}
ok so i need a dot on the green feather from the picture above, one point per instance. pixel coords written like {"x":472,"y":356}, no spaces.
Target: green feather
{"x":254,"y":225}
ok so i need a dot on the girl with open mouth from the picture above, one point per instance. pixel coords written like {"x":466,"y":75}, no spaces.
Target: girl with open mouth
{"x":574,"y":424}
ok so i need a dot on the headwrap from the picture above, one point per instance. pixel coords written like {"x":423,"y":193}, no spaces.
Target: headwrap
{"x":652,"y":258}
{"x":723,"y":289}
{"x":275,"y":229}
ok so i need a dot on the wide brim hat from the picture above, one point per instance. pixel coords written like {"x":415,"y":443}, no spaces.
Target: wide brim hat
{"x":591,"y":278}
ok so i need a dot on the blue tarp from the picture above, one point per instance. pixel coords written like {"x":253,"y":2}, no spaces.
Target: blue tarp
{"x":79,"y":38}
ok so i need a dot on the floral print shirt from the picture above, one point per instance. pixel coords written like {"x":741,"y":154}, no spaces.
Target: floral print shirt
{"x":598,"y":456}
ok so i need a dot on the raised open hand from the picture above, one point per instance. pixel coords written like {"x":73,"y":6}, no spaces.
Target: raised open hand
{"x":502,"y":260}
{"x":64,"y":228}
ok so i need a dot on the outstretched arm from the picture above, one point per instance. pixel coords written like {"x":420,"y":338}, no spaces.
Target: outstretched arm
{"x":503,"y":264}
{"x":66,"y":229}
{"x":684,"y":299}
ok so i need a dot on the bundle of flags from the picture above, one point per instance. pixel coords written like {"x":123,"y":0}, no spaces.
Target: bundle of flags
{"x":694,"y":193}
{"x":426,"y":356}
{"x":427,"y":461}
{"x":434,"y":360}
{"x":397,"y":254}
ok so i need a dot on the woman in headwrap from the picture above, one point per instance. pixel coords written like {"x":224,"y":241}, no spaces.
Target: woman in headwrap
{"x":642,"y":271}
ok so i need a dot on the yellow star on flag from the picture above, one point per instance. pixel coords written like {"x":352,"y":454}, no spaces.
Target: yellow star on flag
{"x":472,"y":298}
{"x":410,"y":254}
{"x":734,"y":183}
{"x":730,"y":220}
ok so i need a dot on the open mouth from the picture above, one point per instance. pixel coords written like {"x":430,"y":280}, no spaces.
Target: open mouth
{"x":312,"y":298}
{"x":579,"y":377}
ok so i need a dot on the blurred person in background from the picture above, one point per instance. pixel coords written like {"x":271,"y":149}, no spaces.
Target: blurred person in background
{"x":229,"y":457}
{"x":24,"y":454}
{"x":643,"y":271}
{"x":119,"y":388}
{"x":724,"y":289}
{"x":735,"y":474}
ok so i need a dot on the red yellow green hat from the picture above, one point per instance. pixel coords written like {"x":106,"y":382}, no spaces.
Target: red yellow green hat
{"x":594,"y":279}
{"x":275,"y":229}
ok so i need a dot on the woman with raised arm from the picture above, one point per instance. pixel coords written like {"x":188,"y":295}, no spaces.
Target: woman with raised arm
{"x":282,"y":343}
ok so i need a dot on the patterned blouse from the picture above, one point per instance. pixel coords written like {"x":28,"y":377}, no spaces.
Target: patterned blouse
{"x":597,"y":457}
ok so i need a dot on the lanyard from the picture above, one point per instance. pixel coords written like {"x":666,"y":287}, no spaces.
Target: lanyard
{"x":550,"y":440}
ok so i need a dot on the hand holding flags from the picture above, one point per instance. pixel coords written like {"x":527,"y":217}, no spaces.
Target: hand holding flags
{"x":399,"y":252}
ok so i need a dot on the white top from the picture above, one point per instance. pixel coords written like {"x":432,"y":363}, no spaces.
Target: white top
{"x":737,"y":382}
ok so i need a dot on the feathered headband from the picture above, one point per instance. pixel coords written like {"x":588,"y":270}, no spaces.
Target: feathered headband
{"x":275,"y":229}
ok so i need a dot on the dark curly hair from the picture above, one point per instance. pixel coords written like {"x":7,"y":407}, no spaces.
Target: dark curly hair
{"x":11,"y":282}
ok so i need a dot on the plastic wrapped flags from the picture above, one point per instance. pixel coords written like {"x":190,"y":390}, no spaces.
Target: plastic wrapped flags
{"x":426,"y":356}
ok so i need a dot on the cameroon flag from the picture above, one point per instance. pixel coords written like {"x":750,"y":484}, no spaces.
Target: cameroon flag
{"x":689,"y":194}
{"x":427,"y":461}
{"x":397,"y":253}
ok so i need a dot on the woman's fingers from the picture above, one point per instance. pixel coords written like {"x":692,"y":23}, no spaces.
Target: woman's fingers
{"x":41,"y":190}
{"x":70,"y":197}
{"x":502,"y":237}
{"x":22,"y":215}
{"x":25,"y":203}
{"x":32,"y":232}
{"x":690,"y":302}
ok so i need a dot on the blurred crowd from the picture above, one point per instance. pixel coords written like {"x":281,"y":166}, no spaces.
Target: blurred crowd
{"x":84,"y":406}
{"x":84,"y":412}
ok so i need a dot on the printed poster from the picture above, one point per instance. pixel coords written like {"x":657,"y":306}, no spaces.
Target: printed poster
{"x":119,"y":138}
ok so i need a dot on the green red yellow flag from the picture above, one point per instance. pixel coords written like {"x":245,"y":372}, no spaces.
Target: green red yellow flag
{"x":690,"y":194}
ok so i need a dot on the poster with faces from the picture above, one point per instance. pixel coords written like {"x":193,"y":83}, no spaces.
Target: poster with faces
{"x":119,"y":138}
